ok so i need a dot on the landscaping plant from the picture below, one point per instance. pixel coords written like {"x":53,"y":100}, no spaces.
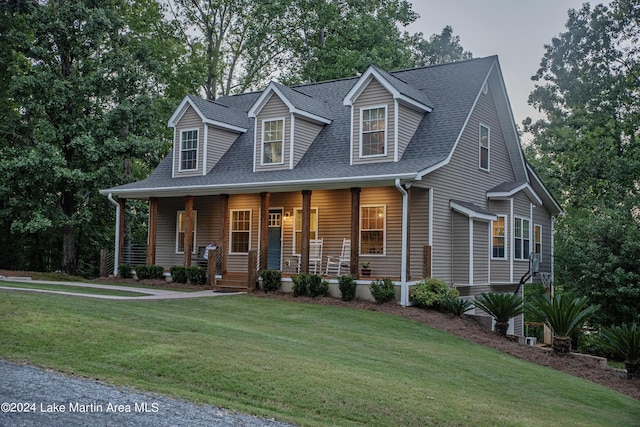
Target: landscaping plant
{"x":624,"y":341}
{"x":124,"y":270}
{"x":197,"y":275}
{"x":501,"y":307}
{"x":429,"y":293}
{"x":564,"y":315}
{"x":383,"y":290}
{"x":271,"y":280}
{"x":179,"y":274}
{"x":347,"y":286}
{"x":456,"y":306}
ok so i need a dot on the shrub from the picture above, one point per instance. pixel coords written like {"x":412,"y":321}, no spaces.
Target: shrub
{"x":501,"y":307}
{"x":347,"y":286}
{"x":624,"y":341}
{"x":315,"y":286}
{"x":149,"y":272}
{"x":179,"y":274}
{"x":124,"y":270}
{"x":271,"y":280}
{"x":429,"y":293}
{"x":456,"y":306}
{"x":197,"y":275}
{"x":299,"y":284}
{"x":383,"y":290}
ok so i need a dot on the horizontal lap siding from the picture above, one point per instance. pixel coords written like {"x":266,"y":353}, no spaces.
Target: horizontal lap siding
{"x":304,"y":134}
{"x":480,"y":252}
{"x":273,"y":109}
{"x":218,"y":142}
{"x":418,"y":229}
{"x":189,"y":120}
{"x":541,"y":217}
{"x":238,"y":262}
{"x":409,"y":120}
{"x":373,"y":95}
{"x":500,"y":268}
{"x":460,"y":262}
{"x":389,"y":264}
{"x":522,"y":208}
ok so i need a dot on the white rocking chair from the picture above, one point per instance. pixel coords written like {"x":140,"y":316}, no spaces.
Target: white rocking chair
{"x":344,"y":260}
{"x":315,"y":256}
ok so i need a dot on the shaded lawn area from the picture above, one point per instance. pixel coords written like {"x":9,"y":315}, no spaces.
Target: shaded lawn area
{"x":302,"y":363}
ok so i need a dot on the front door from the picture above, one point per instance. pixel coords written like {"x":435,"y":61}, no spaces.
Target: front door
{"x":274,"y":253}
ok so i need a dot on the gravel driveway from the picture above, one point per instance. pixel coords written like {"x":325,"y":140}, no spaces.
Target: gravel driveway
{"x":31,"y":396}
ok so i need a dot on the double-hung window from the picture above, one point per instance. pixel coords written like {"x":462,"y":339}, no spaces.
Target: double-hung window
{"x":373,"y":138}
{"x":484,"y":147}
{"x":181,"y":230}
{"x":521,"y":239}
{"x":272,"y":141}
{"x":537,"y":241}
{"x":372,"y":230}
{"x":297,"y":228}
{"x":240,"y":231}
{"x":189,"y":150}
{"x":498,"y":238}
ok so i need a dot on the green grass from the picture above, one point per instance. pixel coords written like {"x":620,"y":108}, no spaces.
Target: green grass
{"x":70,"y":288}
{"x":302,"y":363}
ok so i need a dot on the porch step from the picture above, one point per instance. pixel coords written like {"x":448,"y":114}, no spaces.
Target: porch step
{"x":232,"y":282}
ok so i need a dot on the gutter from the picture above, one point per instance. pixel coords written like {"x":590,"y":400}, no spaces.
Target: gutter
{"x":117,"y":240}
{"x":404,"y":286}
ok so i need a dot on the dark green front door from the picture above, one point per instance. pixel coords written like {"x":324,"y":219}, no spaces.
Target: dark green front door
{"x":274,"y":254}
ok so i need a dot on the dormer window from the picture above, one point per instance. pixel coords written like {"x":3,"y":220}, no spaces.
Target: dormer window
{"x":189,"y":150}
{"x":373,"y":136}
{"x":272,"y":141}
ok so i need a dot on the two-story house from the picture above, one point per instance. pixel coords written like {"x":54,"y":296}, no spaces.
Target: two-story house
{"x":420,"y":170}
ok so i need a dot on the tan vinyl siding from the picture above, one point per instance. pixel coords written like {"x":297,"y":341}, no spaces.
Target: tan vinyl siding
{"x":541,"y":217}
{"x":218,"y":142}
{"x":251,"y":202}
{"x":189,"y":120}
{"x":274,"y":109}
{"x":374,"y":95}
{"x":418,"y":229}
{"x":409,"y":120}
{"x":305,"y":133}
{"x":481,"y":233}
{"x":500,"y":268}
{"x":460,"y":255}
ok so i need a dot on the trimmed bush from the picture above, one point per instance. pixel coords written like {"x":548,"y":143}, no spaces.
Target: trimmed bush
{"x":299,"y":286}
{"x":347,"y":286}
{"x":179,"y":274}
{"x":124,"y":270}
{"x":317,"y":287}
{"x":456,"y":306}
{"x":383,"y":290}
{"x":197,"y":275}
{"x":271,"y":280}
{"x":429,"y":293}
{"x":149,"y":272}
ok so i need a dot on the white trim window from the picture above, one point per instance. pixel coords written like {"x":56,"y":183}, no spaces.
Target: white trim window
{"x":499,"y":238}
{"x":272,"y":141}
{"x":180,"y":231}
{"x":484,"y":147}
{"x":521,"y":238}
{"x":373,"y":224}
{"x":297,"y":228}
{"x":537,"y":241}
{"x":373,"y":131}
{"x":189,"y":149}
{"x":240,"y":230}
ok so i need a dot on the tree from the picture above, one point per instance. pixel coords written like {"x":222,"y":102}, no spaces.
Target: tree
{"x":586,"y":147}
{"x":85,"y":99}
{"x":439,"y":49}
{"x":502,"y":307}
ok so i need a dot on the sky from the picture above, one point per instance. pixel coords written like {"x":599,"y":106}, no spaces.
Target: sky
{"x":515,"y":30}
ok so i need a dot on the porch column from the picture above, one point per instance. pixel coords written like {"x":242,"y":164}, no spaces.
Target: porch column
{"x":123,"y":205}
{"x":153,"y":228}
{"x":224,"y":242}
{"x":355,"y":231}
{"x":188,"y":230}
{"x":306,"y":231}
{"x":265,"y":199}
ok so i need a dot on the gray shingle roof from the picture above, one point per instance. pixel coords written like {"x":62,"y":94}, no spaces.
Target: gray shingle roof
{"x":305,"y":102}
{"x":213,"y":110}
{"x":406,"y":89}
{"x":452,"y":88}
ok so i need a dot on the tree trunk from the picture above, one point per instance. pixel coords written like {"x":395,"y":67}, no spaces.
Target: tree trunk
{"x":69,"y":249}
{"x":633,"y":369}
{"x":561,"y":345}
{"x":502,"y":328}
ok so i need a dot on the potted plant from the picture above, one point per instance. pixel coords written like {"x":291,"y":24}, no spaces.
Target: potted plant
{"x":365,"y":270}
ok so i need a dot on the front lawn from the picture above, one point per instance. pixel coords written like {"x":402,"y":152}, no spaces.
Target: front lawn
{"x":302,"y":363}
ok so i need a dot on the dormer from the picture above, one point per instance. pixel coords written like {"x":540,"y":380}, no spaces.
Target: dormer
{"x":385,"y":113}
{"x":203,"y":131}
{"x":286,"y":123}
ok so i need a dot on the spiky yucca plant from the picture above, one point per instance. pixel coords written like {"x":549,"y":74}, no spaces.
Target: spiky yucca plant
{"x":456,"y":306}
{"x":564,"y":315}
{"x":501,"y":307}
{"x":624,"y":341}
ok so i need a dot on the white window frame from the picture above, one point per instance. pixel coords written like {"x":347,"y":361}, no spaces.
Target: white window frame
{"x":536,"y":242}
{"x":232,"y":230}
{"x":263,"y":142}
{"x":182,"y":150}
{"x":524,"y":255}
{"x":384,"y":230}
{"x":385,"y":130}
{"x":504,"y":238}
{"x":482,"y":147}
{"x":178,"y":231}
{"x":313,"y":225}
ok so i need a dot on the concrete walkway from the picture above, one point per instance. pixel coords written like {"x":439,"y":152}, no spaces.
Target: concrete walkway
{"x":149,"y":293}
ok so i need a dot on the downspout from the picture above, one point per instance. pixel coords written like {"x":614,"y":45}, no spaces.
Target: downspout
{"x":117,"y":255}
{"x":404,"y":286}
